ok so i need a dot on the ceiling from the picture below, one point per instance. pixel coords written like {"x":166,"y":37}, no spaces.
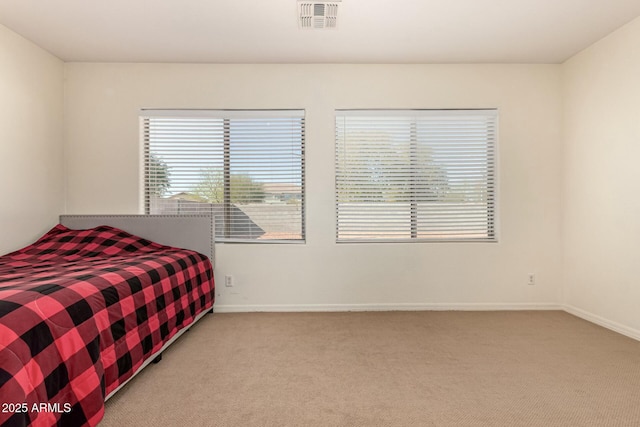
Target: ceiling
{"x":266,"y":31}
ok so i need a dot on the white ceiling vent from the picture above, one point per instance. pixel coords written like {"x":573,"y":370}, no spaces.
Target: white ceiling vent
{"x":318,"y":14}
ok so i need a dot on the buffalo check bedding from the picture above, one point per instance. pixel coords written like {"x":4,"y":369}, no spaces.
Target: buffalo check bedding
{"x":80,"y":311}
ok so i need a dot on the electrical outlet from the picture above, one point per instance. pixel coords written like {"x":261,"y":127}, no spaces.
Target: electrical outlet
{"x":228,"y":281}
{"x":531,"y":279}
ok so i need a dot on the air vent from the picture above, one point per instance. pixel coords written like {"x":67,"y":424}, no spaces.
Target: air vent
{"x":318,"y":14}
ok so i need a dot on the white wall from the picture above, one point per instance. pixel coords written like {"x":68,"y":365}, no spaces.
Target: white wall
{"x":31,"y":133}
{"x":102,"y":150}
{"x":578,"y":237}
{"x":601,"y":225}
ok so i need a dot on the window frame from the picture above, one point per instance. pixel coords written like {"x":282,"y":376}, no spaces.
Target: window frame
{"x":226,"y":115}
{"x":492,"y":203}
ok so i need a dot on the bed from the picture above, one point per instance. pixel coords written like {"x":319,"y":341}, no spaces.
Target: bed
{"x":91,"y":303}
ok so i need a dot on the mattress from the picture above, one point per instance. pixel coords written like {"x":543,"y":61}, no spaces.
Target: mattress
{"x":80,"y":311}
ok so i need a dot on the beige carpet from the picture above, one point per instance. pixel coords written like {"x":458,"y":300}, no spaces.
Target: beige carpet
{"x":388,"y":369}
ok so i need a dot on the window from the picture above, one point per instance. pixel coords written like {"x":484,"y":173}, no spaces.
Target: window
{"x":244,"y":167}
{"x":415,"y":175}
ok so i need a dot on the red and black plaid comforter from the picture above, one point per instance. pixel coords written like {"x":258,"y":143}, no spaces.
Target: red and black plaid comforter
{"x":80,"y":310}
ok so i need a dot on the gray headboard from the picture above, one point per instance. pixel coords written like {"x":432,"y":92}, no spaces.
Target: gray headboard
{"x":194,"y":232}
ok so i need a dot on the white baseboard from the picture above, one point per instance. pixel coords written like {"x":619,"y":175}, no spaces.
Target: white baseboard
{"x":593,"y":318}
{"x":231,"y":308}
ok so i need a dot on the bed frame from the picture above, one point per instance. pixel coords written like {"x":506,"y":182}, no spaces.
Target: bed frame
{"x":194,"y":232}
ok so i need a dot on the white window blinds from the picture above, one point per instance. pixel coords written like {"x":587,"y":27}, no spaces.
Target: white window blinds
{"x":415,"y":175}
{"x":244,"y":167}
